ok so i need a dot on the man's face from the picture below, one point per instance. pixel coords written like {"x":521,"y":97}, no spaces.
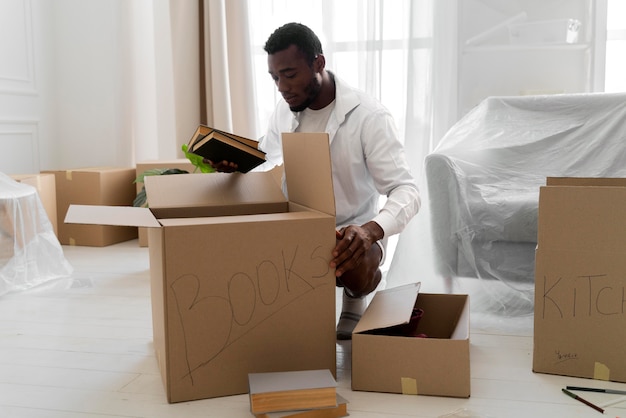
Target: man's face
{"x":298,"y":83}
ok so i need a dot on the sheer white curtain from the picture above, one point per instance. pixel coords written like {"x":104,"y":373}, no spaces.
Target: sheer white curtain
{"x":400,"y":51}
{"x":190,"y":64}
{"x":227,"y":69}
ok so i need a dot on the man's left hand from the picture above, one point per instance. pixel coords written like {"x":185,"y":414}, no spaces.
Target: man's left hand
{"x":353,"y":242}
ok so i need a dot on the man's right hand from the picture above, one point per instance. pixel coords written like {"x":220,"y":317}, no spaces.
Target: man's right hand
{"x":222,"y":166}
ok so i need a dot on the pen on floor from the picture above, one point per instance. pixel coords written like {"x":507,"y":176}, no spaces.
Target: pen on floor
{"x":612,"y":391}
{"x":578,"y":398}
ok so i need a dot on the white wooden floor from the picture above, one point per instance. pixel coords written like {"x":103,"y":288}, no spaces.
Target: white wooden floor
{"x":82,"y":347}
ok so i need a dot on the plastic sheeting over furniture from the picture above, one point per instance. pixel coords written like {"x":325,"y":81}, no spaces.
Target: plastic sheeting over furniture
{"x":484,"y":178}
{"x":30,"y":253}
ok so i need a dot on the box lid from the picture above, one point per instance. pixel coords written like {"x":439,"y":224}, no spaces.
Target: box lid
{"x":308,"y":170}
{"x":110,"y":215}
{"x":579,"y":214}
{"x":389,"y":307}
{"x":178,"y":195}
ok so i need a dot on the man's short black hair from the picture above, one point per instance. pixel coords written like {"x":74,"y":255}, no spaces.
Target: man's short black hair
{"x":295,"y":34}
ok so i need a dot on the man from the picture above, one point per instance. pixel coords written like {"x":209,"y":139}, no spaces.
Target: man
{"x":368,"y":160}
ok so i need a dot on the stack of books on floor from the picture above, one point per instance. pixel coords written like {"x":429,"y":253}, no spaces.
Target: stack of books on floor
{"x":296,"y":394}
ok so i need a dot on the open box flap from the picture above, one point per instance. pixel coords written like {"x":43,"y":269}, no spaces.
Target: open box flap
{"x":308,"y":170}
{"x":211,"y":190}
{"x":586,"y":181}
{"x":110,"y":215}
{"x":389,"y":307}
{"x":582,"y":215}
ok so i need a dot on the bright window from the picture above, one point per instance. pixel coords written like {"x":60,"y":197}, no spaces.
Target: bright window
{"x":366,"y":43}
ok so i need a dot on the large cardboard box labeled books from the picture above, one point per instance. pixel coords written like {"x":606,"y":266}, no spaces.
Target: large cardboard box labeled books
{"x":240,"y":276}
{"x":143,"y":166}
{"x":434,"y":360}
{"x":580,"y":279}
{"x":94,"y":186}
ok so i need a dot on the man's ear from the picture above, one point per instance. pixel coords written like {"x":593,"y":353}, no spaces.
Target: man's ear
{"x":319,"y":63}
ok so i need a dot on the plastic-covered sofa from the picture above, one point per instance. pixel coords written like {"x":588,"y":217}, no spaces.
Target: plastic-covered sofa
{"x":484,"y":177}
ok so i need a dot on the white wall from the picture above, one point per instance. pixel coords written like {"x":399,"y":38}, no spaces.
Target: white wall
{"x":95,"y":83}
{"x":490,"y":64}
{"x":87,"y":78}
{"x":20,"y":96}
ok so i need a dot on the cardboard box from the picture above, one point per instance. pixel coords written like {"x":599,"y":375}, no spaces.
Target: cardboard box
{"x":182,"y":164}
{"x":141,"y":167}
{"x":94,"y":186}
{"x":580,"y":279}
{"x":437,"y":365}
{"x":239,"y":294}
{"x":46,"y":188}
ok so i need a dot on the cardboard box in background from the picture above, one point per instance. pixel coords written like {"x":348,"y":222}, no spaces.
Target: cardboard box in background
{"x":141,"y":167}
{"x":94,"y":186}
{"x":580,"y":279}
{"x":46,"y":188}
{"x":438,"y":365}
{"x":239,"y":294}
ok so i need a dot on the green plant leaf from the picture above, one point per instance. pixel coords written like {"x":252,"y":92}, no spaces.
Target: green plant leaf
{"x":141,"y":199}
{"x":197,"y":161}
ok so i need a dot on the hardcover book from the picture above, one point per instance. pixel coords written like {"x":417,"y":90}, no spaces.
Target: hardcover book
{"x":287,"y":391}
{"x":341,"y":410}
{"x":216,"y":145}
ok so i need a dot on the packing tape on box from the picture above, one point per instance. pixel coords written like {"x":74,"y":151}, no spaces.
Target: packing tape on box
{"x":68,"y":175}
{"x":409,"y":386}
{"x":601,"y":372}
{"x":72,"y":241}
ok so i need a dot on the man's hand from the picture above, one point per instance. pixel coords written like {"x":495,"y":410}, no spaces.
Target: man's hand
{"x":222,"y":166}
{"x":353,"y":242}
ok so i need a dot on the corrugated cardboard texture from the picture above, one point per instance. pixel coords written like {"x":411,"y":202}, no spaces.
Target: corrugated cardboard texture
{"x":580,"y":280}
{"x":242,"y":297}
{"x":438,"y":365}
{"x":582,"y":218}
{"x":307,"y":177}
{"x":391,"y":307}
{"x":233,"y":295}
{"x":94,"y":186}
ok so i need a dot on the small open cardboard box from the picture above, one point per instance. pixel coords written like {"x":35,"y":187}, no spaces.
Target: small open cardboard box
{"x":580,"y":279}
{"x":244,"y":284}
{"x":437,"y":365}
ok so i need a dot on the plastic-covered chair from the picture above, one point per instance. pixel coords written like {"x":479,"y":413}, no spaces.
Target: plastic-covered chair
{"x":484,"y":177}
{"x":30,"y":253}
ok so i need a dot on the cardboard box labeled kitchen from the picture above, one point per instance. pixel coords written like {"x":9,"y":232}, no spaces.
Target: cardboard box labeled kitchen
{"x":143,"y":166}
{"x":244,"y":293}
{"x":580,"y":279}
{"x":93,"y":186}
{"x":46,"y":188}
{"x":438,"y":364}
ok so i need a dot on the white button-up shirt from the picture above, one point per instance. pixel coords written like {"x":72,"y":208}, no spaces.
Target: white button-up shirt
{"x":368,"y":160}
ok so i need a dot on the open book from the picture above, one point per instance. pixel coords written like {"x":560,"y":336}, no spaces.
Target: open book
{"x":217,"y":146}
